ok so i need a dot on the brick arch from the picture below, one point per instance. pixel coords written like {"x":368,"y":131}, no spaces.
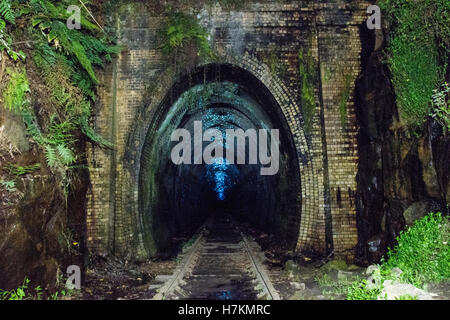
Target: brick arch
{"x":328,"y":162}
{"x":123,"y":232}
{"x":290,"y":110}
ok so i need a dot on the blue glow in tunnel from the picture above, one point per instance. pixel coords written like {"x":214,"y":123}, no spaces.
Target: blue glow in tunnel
{"x":220,"y":184}
{"x":218,"y":173}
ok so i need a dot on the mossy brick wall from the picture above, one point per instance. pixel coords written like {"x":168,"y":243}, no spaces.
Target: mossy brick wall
{"x":138,"y":80}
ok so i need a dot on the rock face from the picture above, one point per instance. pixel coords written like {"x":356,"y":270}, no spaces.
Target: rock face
{"x":39,"y":234}
{"x":393,"y":290}
{"x":14,"y":131}
{"x":31,"y":237}
{"x":401,"y":177}
{"x":418,"y":210}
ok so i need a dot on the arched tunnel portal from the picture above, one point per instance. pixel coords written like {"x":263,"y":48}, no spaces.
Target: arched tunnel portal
{"x":176,"y":198}
{"x":139,"y":200}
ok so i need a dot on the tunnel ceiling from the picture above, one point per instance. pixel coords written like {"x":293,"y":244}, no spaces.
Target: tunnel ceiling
{"x":176,"y":199}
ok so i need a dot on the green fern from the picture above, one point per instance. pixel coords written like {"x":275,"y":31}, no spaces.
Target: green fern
{"x":16,"y":170}
{"x":51,"y":156}
{"x":86,"y":49}
{"x":14,"y":96}
{"x":66,"y":155}
{"x":65,"y":59}
{"x":62,"y":37}
{"x":181,"y":29}
{"x":59,"y":156}
{"x":441,"y":106}
{"x":64,"y":95}
{"x":47,"y":10}
{"x":60,"y":77}
{"x":60,"y":132}
{"x":43,"y":55}
{"x":6,"y":11}
{"x":94,"y":136}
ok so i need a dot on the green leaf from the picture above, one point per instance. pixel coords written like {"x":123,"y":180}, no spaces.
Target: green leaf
{"x":6,"y":11}
{"x":15,"y":94}
{"x":65,"y":154}
{"x":50,"y":155}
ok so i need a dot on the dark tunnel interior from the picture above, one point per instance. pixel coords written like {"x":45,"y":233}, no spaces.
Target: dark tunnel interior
{"x":176,"y":199}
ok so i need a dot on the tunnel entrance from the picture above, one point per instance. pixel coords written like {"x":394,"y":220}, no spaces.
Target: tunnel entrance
{"x":176,"y":198}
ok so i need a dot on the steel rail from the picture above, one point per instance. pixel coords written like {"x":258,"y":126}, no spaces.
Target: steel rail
{"x":260,"y":272}
{"x":170,"y":285}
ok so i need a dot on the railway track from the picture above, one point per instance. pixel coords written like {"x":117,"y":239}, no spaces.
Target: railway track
{"x":221,"y":264}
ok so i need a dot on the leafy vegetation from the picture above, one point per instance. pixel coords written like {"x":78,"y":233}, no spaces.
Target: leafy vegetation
{"x":14,"y":96}
{"x":8,"y":185}
{"x":22,"y":170}
{"x":7,"y":15}
{"x":359,"y":290}
{"x":15,"y":294}
{"x":83,"y":49}
{"x":308,"y":78}
{"x":417,"y":53}
{"x":441,"y":106}
{"x":182,"y":29}
{"x":65,"y":60}
{"x":23,"y":292}
{"x":6,"y":12}
{"x":415,"y":74}
{"x":271,"y":59}
{"x":422,"y":253}
{"x":406,"y":297}
{"x":53,"y":91}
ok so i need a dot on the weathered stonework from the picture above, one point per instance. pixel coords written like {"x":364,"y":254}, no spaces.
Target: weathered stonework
{"x":137,"y":82}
